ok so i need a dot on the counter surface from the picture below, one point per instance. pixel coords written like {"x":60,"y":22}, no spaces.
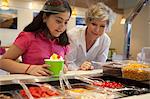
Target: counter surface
{"x":143,"y":96}
{"x":6,"y":79}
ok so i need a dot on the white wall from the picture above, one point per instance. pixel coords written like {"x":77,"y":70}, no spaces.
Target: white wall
{"x":117,"y":35}
{"x":7,"y":36}
{"x":140,"y":32}
{"x":72,"y":21}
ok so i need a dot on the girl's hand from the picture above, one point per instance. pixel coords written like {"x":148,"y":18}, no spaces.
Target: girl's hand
{"x":39,"y":70}
{"x":86,"y":66}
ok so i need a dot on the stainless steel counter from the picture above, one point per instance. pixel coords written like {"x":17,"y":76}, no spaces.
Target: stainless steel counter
{"x":10,"y":79}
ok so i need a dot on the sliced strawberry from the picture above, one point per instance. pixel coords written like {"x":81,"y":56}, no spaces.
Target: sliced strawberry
{"x":22,"y":92}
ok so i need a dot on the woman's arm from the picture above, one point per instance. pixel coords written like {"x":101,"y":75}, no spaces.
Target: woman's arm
{"x":103,"y":53}
{"x":70,"y":57}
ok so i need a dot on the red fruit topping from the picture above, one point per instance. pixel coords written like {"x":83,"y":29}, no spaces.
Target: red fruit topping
{"x":38,"y":92}
{"x":108,"y":84}
{"x":58,"y":57}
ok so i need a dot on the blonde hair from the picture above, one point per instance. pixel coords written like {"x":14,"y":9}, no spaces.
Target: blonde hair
{"x":100,"y":11}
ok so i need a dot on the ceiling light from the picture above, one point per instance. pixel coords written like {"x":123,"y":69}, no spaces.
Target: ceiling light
{"x":123,"y":20}
{"x":30,"y":5}
{"x":74,"y":12}
{"x":5,"y":5}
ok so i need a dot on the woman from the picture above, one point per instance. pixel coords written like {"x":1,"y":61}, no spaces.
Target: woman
{"x":45,"y":35}
{"x":91,"y":43}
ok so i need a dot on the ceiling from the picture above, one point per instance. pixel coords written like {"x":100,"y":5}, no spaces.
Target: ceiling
{"x":87,"y":3}
{"x":117,"y":5}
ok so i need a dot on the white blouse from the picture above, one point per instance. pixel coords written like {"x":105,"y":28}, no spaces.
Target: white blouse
{"x":78,"y":54}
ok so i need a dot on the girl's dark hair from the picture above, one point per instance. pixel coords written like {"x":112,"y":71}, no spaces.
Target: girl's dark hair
{"x":37,"y":26}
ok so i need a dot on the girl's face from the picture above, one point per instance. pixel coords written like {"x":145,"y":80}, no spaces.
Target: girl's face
{"x":96,"y":27}
{"x":57,"y":23}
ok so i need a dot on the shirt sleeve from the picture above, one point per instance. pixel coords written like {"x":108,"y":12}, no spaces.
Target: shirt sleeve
{"x":23,"y":41}
{"x":103,"y":53}
{"x":71,"y":57}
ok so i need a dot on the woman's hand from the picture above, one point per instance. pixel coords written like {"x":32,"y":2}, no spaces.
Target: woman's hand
{"x":39,"y":70}
{"x":86,"y":66}
{"x":65,"y":68}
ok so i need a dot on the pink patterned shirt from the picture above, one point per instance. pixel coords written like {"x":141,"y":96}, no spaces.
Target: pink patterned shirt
{"x":37,"y":48}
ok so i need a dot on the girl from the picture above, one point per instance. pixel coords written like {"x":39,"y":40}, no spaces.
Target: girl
{"x":45,"y":35}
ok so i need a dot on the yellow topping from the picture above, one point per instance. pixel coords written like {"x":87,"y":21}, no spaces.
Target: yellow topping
{"x":135,"y":66}
{"x":78,"y":90}
{"x":54,"y":56}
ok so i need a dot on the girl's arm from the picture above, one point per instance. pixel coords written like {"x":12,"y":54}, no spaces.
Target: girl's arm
{"x":9,"y":63}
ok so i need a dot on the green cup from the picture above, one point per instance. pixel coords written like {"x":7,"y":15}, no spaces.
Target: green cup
{"x":55,"y":66}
